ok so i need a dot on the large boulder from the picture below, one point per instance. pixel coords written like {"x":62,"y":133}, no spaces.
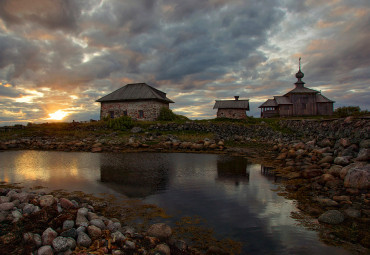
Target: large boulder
{"x":343,"y":161}
{"x":358,"y":177}
{"x":160,"y":230}
{"x":331,"y":217}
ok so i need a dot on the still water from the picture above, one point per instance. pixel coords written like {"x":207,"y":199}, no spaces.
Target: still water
{"x":235,"y":197}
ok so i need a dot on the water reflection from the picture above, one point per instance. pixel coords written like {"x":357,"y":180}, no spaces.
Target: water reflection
{"x":235,"y":197}
{"x":233,"y":170}
{"x":135,"y":175}
{"x":269,"y":173}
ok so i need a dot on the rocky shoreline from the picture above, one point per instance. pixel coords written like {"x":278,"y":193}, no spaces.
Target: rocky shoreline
{"x":324,"y":163}
{"x":47,"y":224}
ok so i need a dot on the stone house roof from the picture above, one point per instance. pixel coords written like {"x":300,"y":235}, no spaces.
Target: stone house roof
{"x":136,"y":91}
{"x":232,"y":104}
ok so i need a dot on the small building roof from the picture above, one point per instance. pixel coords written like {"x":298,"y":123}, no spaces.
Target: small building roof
{"x":269,"y":103}
{"x":323,"y":99}
{"x":232,"y":104}
{"x":302,"y":89}
{"x":135,"y":91}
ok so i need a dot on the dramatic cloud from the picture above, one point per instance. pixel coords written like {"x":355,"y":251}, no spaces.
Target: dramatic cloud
{"x":65,"y":54}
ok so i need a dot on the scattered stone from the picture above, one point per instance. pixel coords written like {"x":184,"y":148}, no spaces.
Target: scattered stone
{"x":98,"y":223}
{"x":163,"y":249}
{"x":331,"y":217}
{"x":353,"y":213}
{"x":47,"y":200}
{"x":358,"y":177}
{"x":45,"y":250}
{"x":160,"y":230}
{"x":66,"y":203}
{"x":48,"y":236}
{"x":94,"y":232}
{"x":60,"y":244}
{"x":83,"y":240}
{"x":343,"y":161}
{"x":6,"y":206}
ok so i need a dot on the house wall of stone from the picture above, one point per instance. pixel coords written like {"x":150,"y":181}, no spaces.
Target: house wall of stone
{"x":325,"y":108}
{"x":150,"y":109}
{"x":232,"y":113}
{"x":303,"y":104}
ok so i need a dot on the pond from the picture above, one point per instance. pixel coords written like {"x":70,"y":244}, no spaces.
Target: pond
{"x":235,"y":197}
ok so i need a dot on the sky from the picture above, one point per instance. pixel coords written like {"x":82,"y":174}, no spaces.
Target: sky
{"x":57,"y":57}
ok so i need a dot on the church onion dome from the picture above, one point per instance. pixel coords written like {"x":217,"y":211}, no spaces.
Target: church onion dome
{"x":299,"y":75}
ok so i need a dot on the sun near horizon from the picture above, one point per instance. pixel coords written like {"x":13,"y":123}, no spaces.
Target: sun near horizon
{"x":58,"y":115}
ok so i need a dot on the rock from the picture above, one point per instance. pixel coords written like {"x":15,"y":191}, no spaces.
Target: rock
{"x":363,"y":155}
{"x":331,"y":217}
{"x":4,"y":199}
{"x":37,"y":240}
{"x":60,"y":244}
{"x":311,"y":173}
{"x":365,"y":144}
{"x":343,"y":161}
{"x":96,"y":149}
{"x":130,"y":245}
{"x":47,"y":200}
{"x":326,"y":202}
{"x":98,"y":223}
{"x":48,"y":236}
{"x":282,"y":156}
{"x":71,"y":243}
{"x":45,"y":250}
{"x":163,"y":249}
{"x":28,"y":237}
{"x":213,"y":250}
{"x":28,"y":209}
{"x":17,"y":215}
{"x":6,"y":206}
{"x":66,"y":203}
{"x":358,"y":177}
{"x":160,"y":230}
{"x":326,"y":159}
{"x":83,"y":240}
{"x":81,"y":220}
{"x":117,"y":237}
{"x":341,"y":198}
{"x":325,"y":143}
{"x":94,"y":232}
{"x":72,"y":232}
{"x":68,"y":224}
{"x":83,"y":211}
{"x":92,"y":216}
{"x":335,"y":170}
{"x":136,"y":130}
{"x":352,"y":213}
{"x":114,"y":226}
{"x":327,"y":177}
{"x":345,"y":142}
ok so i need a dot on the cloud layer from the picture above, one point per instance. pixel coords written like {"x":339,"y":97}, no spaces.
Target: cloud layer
{"x":65,"y":54}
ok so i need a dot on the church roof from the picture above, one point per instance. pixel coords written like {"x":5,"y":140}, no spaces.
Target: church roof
{"x":322,"y":99}
{"x":282,"y":100}
{"x":232,"y":104}
{"x":302,"y":89}
{"x":135,"y":91}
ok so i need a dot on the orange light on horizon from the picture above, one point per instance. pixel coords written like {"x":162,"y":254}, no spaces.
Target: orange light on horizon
{"x":58,"y":115}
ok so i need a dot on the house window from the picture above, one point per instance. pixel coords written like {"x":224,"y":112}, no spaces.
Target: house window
{"x":125,"y":113}
{"x":141,"y":114}
{"x":111,"y":114}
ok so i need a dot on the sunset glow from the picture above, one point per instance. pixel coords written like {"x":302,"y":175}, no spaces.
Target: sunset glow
{"x":58,"y":115}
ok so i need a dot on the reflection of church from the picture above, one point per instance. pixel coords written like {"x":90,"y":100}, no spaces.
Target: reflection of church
{"x":132,"y":176}
{"x":232,"y":169}
{"x":269,"y":172}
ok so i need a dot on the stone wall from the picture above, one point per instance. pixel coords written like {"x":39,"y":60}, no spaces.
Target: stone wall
{"x":232,"y":113}
{"x":150,"y":109}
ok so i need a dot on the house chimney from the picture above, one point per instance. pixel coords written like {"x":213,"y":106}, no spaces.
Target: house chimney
{"x":236,"y":98}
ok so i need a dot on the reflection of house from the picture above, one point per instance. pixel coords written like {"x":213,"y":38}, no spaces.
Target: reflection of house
{"x":297,"y":102}
{"x":139,"y":101}
{"x":233,"y":109}
{"x":232,"y":169}
{"x":135,"y":174}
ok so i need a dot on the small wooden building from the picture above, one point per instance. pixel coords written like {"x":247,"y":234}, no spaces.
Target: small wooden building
{"x":138,"y":100}
{"x":300,"y":101}
{"x":232,"y":109}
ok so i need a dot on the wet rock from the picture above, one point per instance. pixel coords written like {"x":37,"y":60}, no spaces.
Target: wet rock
{"x":326,"y":159}
{"x":45,"y":250}
{"x":66,"y":203}
{"x":363,"y":155}
{"x":92,"y":216}
{"x":96,"y":149}
{"x":311,"y":173}
{"x":4,"y":199}
{"x":48,"y":236}
{"x":83,"y":240}
{"x":160,"y":230}
{"x":358,"y":177}
{"x":114,"y":226}
{"x":343,"y":161}
{"x":94,"y":232}
{"x":213,"y":250}
{"x":47,"y":200}
{"x":117,"y":237}
{"x":68,"y":224}
{"x":352,"y":213}
{"x":81,"y":220}
{"x":60,"y":244}
{"x":6,"y":206}
{"x":98,"y":223}
{"x":129,"y":245}
{"x":83,"y":211}
{"x":163,"y":249}
{"x":331,"y":217}
{"x":345,"y":142}
{"x":335,"y":170}
{"x":326,"y":202}
{"x":28,"y":209}
{"x":69,"y":233}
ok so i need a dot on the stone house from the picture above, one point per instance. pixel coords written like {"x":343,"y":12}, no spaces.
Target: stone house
{"x":138,"y":100}
{"x":232,"y":109}
{"x":300,"y":101}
